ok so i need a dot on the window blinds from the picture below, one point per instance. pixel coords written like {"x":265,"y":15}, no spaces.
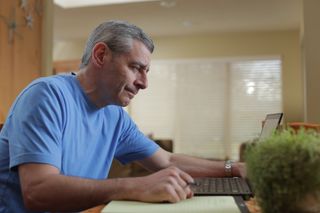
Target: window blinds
{"x":208,"y":107}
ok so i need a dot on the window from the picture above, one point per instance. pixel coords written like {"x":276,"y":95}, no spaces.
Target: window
{"x":208,"y":107}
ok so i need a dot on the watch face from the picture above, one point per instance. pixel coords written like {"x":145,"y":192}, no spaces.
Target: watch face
{"x":228,"y":168}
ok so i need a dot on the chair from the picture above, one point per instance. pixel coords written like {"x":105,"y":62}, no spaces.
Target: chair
{"x":299,"y":125}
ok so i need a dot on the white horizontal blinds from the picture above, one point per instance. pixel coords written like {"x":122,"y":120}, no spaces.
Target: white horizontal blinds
{"x":208,"y":107}
{"x":153,"y":109}
{"x":255,"y":91}
{"x":199,"y":116}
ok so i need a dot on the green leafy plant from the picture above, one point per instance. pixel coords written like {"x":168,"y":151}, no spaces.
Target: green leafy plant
{"x":284,"y":171}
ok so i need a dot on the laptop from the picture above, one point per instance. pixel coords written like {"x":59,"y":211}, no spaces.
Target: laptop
{"x":235,"y":186}
{"x":271,"y":123}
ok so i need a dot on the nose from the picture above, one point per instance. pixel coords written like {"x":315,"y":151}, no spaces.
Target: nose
{"x":141,"y":80}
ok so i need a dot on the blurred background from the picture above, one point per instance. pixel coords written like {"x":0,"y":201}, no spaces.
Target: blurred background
{"x":218,"y":68}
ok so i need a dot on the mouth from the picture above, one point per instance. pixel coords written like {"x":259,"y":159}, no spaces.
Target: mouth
{"x":131,"y":92}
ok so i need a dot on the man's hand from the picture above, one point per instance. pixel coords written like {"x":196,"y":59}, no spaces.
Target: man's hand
{"x":167,"y":185}
{"x":240,"y":169}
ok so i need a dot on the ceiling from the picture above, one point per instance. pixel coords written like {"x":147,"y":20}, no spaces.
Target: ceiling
{"x":184,"y":17}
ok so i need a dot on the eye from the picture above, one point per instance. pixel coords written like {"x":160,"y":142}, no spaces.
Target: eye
{"x":135,"y":68}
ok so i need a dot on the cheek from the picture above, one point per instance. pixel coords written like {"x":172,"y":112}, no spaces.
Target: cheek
{"x":128,"y":77}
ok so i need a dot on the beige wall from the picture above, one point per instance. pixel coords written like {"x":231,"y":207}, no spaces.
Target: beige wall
{"x":68,"y":50}
{"x":311,"y":54}
{"x":285,"y":44}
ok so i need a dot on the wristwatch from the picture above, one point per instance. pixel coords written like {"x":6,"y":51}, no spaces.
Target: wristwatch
{"x":228,"y":168}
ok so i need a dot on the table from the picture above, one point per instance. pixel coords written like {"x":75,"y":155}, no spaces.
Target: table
{"x":251,"y":204}
{"x":96,"y":209}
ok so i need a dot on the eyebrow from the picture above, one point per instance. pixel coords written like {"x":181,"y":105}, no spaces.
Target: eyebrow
{"x":141,"y":65}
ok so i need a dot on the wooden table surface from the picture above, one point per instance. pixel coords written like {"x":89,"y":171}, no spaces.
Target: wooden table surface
{"x":96,"y":209}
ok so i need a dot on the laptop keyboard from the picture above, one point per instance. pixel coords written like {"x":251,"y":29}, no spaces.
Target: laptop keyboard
{"x":221,"y":186}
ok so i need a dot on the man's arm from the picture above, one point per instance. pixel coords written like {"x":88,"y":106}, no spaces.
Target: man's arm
{"x":196,"y":167}
{"x":45,"y":189}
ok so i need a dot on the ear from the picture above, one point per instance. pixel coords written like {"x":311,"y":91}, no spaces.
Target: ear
{"x":100,"y":53}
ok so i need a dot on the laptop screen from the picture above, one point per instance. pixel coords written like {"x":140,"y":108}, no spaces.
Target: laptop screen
{"x":271,"y":123}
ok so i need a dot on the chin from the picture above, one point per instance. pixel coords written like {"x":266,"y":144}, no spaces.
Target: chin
{"x":125,"y":103}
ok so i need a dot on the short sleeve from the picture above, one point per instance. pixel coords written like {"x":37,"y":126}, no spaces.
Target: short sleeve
{"x":133,"y":144}
{"x":35,"y":125}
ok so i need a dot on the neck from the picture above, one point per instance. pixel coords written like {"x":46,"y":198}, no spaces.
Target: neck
{"x":87,"y":80}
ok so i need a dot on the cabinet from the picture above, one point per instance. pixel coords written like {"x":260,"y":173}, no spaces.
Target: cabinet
{"x":20,"y":48}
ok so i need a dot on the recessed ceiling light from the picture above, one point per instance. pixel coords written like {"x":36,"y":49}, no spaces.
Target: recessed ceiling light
{"x":84,"y":3}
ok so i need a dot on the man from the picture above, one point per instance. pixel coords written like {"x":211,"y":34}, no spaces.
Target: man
{"x":63,"y":131}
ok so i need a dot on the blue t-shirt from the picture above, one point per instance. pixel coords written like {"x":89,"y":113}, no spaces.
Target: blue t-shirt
{"x":52,"y":121}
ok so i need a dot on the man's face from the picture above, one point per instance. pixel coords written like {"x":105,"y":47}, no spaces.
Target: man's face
{"x":125,"y":74}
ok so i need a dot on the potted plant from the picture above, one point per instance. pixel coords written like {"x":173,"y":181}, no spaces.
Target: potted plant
{"x":284,"y":171}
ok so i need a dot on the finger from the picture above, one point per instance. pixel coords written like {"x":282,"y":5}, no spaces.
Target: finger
{"x":172,"y":197}
{"x":190,"y":194}
{"x":182,"y":177}
{"x":187,"y":179}
{"x":180,"y":181}
{"x":188,"y":191}
{"x":179,"y":191}
{"x":182,"y":192}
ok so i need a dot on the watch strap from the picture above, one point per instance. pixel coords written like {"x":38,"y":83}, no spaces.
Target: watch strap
{"x":228,"y":168}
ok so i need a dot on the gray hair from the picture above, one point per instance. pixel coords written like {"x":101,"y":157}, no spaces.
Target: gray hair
{"x":118,"y":35}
